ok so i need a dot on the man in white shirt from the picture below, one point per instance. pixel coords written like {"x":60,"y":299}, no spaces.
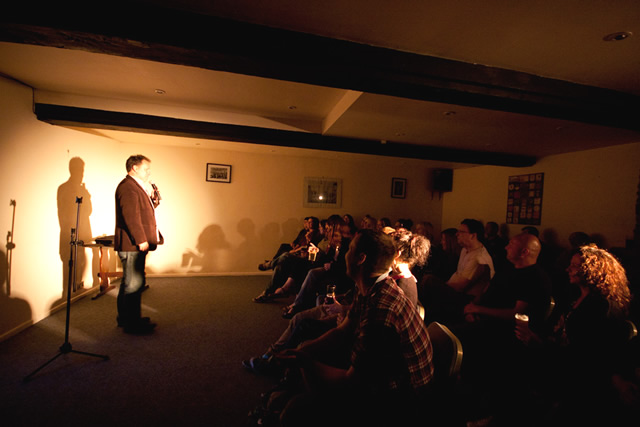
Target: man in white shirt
{"x":470,"y":277}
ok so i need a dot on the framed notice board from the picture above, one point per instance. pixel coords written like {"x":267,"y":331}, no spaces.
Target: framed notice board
{"x":524,"y":200}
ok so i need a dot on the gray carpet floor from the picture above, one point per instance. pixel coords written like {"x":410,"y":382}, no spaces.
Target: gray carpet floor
{"x":187,"y":373}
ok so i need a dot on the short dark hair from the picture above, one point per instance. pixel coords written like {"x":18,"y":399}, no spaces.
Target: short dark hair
{"x":493,"y":226}
{"x":135,"y":160}
{"x":315,"y":222}
{"x":474,"y":226}
{"x":379,"y":249}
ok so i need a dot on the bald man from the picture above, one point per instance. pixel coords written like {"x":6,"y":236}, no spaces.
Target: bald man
{"x":524,"y":289}
{"x":494,"y":360}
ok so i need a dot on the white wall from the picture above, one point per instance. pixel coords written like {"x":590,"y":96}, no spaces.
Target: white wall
{"x":594,"y":191}
{"x":210,"y":228}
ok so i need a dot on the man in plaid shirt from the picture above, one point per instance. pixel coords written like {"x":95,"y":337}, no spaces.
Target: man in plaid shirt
{"x":375,"y":366}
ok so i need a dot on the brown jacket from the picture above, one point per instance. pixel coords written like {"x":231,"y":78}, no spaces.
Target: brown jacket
{"x":135,"y":218}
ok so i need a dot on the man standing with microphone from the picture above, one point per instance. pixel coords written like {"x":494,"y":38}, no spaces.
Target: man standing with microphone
{"x":136,"y":234}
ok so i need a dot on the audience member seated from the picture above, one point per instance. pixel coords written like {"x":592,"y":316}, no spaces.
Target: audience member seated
{"x":576,"y":362}
{"x":470,"y":236}
{"x":368,"y":222}
{"x":425,"y":229}
{"x":412,"y":251}
{"x":309,"y":234}
{"x":563,"y":292}
{"x":376,"y":366}
{"x":382,"y":223}
{"x":524,"y":288}
{"x":290,"y":267}
{"x":473,"y":273}
{"x":332,"y":271}
{"x":443,"y":257}
{"x":348,"y":219}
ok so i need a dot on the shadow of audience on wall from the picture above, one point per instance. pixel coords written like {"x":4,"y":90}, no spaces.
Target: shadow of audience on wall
{"x":247,"y":254}
{"x":70,"y":215}
{"x":210,"y":255}
{"x":213,"y":253}
{"x":16,"y":312}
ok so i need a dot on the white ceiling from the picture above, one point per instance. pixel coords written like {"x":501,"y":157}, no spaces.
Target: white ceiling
{"x":549,"y":38}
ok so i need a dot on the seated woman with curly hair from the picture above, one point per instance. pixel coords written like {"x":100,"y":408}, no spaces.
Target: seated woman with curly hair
{"x":581,"y":350}
{"x":413,"y":251}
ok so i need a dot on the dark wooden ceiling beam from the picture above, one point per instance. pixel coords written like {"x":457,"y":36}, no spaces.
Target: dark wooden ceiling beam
{"x":138,"y":30}
{"x":130,"y":122}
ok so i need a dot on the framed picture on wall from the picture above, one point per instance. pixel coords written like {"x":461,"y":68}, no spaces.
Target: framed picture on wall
{"x":218,"y":173}
{"x":524,"y":199}
{"x":322,"y":192}
{"x":398,"y":188}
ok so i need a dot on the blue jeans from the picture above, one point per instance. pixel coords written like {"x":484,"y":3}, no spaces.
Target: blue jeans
{"x":315,"y":283}
{"x":133,"y":264}
{"x":133,"y":281}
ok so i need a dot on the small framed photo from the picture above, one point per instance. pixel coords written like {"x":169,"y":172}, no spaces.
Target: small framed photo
{"x":322,"y":192}
{"x":398,"y":188}
{"x":218,"y":173}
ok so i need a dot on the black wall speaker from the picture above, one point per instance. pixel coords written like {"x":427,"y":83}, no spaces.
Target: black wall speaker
{"x":442,"y":180}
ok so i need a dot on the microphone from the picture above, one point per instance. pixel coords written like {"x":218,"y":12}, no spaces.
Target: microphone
{"x":155,"y":197}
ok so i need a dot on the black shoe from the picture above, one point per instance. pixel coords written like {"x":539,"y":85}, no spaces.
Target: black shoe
{"x":142,"y":319}
{"x":263,"y":365}
{"x":289,"y":312}
{"x":263,"y":297}
{"x":139,"y":328}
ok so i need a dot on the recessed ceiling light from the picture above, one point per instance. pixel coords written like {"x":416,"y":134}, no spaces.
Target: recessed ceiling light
{"x":616,"y":37}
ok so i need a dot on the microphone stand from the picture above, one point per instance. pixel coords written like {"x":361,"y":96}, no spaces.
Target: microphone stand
{"x":66,"y":347}
{"x":10,"y":247}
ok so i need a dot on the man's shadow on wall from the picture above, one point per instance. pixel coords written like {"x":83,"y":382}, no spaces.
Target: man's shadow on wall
{"x":68,"y":216}
{"x":211,"y":251}
{"x":15,"y":312}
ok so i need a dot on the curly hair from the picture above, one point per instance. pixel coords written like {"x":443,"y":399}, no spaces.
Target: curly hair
{"x":601,"y":271}
{"x":414,"y":249}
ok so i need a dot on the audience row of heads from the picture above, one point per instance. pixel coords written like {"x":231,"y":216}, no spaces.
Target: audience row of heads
{"x":591,"y":266}
{"x":491,"y":230}
{"x":449,"y":239}
{"x":412,"y":248}
{"x":368,"y":222}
